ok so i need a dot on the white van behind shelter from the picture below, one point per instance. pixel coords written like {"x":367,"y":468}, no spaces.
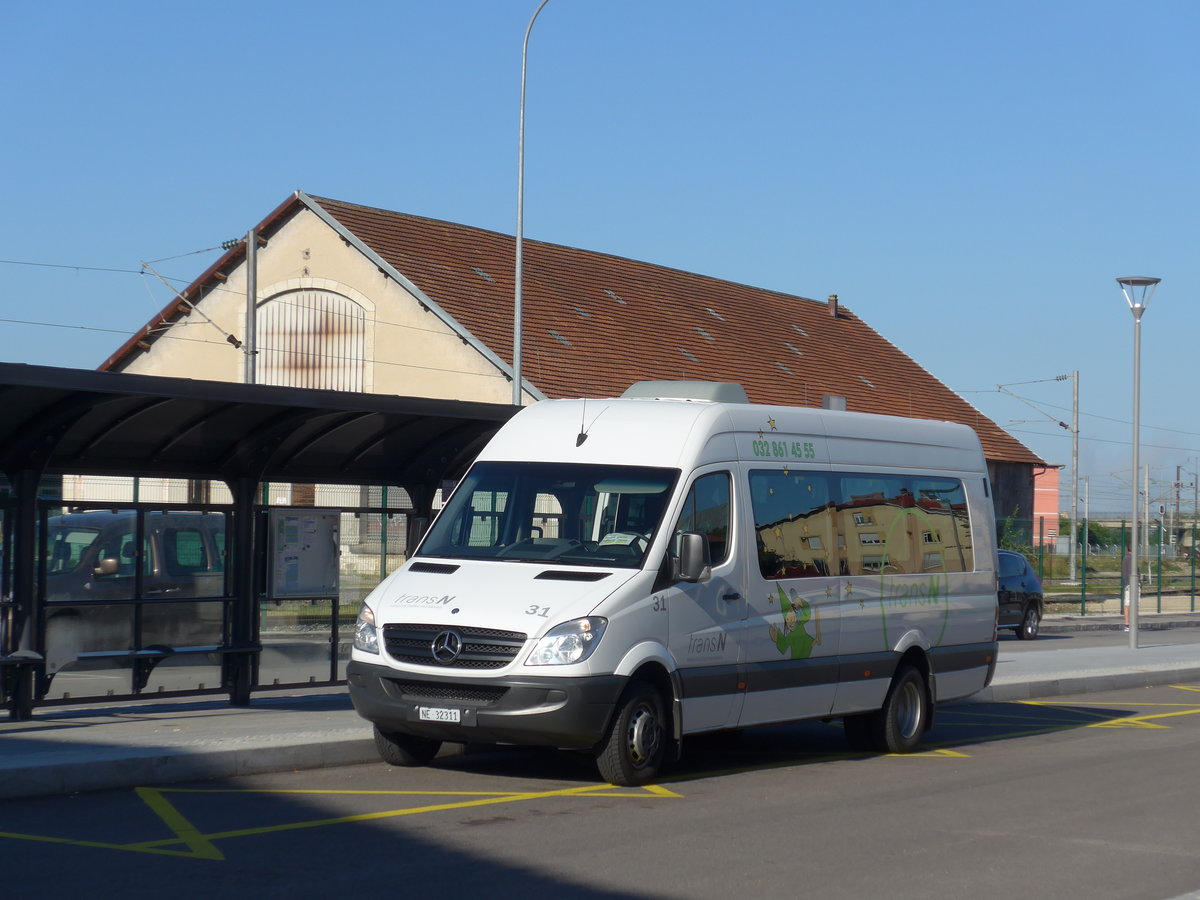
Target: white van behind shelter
{"x":617,"y":574}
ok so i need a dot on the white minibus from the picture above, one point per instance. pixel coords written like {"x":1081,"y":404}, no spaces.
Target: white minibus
{"x":616,"y":575}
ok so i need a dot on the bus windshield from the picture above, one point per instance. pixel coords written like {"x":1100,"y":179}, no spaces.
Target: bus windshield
{"x":591,"y":515}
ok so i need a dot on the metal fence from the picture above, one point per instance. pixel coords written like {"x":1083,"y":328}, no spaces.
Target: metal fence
{"x":1094,"y":585}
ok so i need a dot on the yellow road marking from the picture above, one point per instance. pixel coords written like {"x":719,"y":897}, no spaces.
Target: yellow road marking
{"x":1144,"y":721}
{"x":942,"y":752}
{"x":200,"y":846}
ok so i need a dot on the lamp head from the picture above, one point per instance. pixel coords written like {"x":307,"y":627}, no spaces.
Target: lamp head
{"x":1138,"y":289}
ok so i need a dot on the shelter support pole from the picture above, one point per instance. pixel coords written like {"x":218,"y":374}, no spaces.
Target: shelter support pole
{"x":22,"y":651}
{"x":240,"y":668}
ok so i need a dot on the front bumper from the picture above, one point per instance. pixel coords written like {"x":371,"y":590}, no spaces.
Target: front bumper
{"x":534,"y":711}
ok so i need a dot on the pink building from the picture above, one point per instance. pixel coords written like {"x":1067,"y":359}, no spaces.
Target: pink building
{"x":1045,"y":506}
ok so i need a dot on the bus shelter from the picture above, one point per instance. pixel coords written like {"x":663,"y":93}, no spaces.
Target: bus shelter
{"x":67,"y":422}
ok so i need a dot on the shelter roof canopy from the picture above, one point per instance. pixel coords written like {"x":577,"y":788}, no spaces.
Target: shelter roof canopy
{"x":78,"y":421}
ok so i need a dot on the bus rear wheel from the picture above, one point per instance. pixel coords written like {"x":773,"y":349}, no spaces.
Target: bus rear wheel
{"x":898,"y":725}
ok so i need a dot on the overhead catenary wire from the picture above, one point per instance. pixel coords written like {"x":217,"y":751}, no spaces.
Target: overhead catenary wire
{"x":41,"y":265}
{"x":229,"y":338}
{"x":160,"y":326}
{"x":213,"y":289}
{"x":224,"y":245}
{"x":1089,"y":415}
{"x":265,"y":348}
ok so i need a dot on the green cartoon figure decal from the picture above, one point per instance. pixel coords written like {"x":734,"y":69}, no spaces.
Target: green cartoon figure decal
{"x":793,"y":638}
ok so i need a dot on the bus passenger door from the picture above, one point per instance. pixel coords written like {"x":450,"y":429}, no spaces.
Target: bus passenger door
{"x":791,"y":634}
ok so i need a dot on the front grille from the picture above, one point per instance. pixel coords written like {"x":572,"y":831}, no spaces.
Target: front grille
{"x":482,"y":648}
{"x":451,"y":693}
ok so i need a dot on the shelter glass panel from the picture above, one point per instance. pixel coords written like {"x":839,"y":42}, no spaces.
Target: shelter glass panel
{"x":180,"y":623}
{"x":296,"y":639}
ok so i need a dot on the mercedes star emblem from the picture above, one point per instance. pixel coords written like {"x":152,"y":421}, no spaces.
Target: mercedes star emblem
{"x":446,"y":646}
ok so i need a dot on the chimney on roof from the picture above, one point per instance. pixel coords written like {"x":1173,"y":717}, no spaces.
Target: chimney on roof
{"x":829,"y":401}
{"x":833,"y":305}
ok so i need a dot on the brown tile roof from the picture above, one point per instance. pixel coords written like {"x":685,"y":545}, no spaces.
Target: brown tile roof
{"x":594,"y":323}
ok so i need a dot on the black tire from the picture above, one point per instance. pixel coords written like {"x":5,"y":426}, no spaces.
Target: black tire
{"x":897,"y":726}
{"x":632,"y":751}
{"x":1030,"y":622}
{"x":905,"y":712}
{"x":405,"y":749}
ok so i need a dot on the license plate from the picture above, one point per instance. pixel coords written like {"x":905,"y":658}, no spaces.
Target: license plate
{"x":439,"y":714}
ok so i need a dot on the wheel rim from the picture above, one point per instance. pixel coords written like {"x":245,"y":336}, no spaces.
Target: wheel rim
{"x":908,"y":710}
{"x":642,"y":736}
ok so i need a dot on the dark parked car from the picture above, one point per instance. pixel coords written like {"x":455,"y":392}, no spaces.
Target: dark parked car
{"x":1020,"y":595}
{"x":91,"y":577}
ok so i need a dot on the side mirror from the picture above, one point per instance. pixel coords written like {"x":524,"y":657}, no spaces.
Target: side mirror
{"x":108,"y":566}
{"x":695,"y":564}
{"x":417,"y":526}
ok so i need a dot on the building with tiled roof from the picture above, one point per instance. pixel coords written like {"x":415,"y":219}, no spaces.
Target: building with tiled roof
{"x":355,"y":298}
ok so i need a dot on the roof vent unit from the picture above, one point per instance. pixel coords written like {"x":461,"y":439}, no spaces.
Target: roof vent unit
{"x":707,"y":391}
{"x":831,"y":402}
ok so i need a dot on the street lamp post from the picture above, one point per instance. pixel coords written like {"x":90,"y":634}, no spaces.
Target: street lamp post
{"x":520,"y":217}
{"x":1137,"y":290}
{"x":1075,"y":472}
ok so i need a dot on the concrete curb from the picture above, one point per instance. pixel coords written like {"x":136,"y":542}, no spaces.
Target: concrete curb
{"x":1084,"y":684}
{"x":86,"y":769}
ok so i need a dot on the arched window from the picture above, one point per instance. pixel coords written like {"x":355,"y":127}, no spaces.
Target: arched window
{"x":312,"y":339}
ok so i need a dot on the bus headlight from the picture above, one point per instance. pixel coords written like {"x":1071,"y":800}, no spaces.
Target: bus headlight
{"x":570,"y":642}
{"x":366,"y":638}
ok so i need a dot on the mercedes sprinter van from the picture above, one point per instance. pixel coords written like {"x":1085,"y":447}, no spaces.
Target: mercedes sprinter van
{"x":616,"y":575}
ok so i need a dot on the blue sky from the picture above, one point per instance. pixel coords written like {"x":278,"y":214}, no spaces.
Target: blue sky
{"x":969,"y":178}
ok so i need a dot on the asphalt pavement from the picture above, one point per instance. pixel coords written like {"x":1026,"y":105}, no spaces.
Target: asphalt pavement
{"x":64,"y":750}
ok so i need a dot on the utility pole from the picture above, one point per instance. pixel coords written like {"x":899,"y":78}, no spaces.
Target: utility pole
{"x":1146,"y":517}
{"x":1073,"y":515}
{"x":1087,"y":520}
{"x":1178,"y":487}
{"x":251,"y":344}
